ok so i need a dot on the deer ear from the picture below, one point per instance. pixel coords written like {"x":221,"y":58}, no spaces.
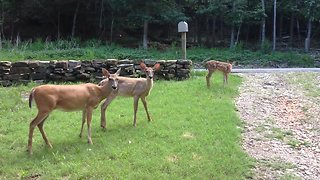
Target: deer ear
{"x":118,"y":72}
{"x":105,"y":73}
{"x":143,"y":66}
{"x":156,"y":67}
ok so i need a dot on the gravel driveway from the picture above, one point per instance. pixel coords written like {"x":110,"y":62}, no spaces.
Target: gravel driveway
{"x":281,"y":117}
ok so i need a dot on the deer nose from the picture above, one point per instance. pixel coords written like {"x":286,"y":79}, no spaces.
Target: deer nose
{"x":150,"y":77}
{"x":114,"y":87}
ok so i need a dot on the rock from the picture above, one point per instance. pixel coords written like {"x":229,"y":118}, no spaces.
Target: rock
{"x":125,"y":61}
{"x":73,"y":64}
{"x":61,"y":64}
{"x":33,"y":64}
{"x":20,"y":64}
{"x":5,"y":63}
{"x":20,"y":70}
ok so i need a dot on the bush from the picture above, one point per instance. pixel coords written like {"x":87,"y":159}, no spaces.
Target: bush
{"x":266,"y":47}
{"x":94,"y":49}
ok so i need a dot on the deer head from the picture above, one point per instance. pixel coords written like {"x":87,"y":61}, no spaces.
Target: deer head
{"x":110,"y":78}
{"x":148,"y":70}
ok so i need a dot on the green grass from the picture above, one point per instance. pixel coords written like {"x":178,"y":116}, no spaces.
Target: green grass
{"x":193,"y":135}
{"x":309,"y":82}
{"x":65,"y":50}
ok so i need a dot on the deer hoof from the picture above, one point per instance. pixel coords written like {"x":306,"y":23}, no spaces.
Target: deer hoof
{"x":29,"y":151}
{"x":90,"y":141}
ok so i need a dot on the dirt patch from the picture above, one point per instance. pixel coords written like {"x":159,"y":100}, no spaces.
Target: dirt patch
{"x":281,"y":125}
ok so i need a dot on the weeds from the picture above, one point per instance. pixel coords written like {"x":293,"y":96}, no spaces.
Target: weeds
{"x":94,"y":49}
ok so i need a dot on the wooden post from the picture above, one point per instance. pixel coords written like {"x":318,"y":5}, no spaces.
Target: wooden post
{"x":183,"y":29}
{"x":184,"y":45}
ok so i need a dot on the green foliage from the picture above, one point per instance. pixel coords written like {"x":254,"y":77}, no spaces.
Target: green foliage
{"x":266,"y":47}
{"x":94,"y":49}
{"x":193,"y":135}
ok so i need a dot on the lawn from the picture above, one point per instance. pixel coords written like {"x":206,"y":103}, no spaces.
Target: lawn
{"x":195,"y":134}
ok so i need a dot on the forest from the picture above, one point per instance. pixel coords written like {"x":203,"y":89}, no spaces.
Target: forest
{"x":284,"y":24}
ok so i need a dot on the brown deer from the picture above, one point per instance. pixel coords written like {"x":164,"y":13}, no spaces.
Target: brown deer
{"x":85,"y":97}
{"x":138,"y":88}
{"x":224,"y":67}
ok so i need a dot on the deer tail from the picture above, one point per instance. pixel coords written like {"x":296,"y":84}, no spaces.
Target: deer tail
{"x":30,"y":98}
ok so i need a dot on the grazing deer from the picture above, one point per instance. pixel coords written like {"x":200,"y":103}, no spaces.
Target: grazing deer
{"x":138,"y":88}
{"x":85,"y":97}
{"x":224,"y":67}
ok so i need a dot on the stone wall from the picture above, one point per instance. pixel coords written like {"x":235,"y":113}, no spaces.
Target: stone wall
{"x":86,"y":71}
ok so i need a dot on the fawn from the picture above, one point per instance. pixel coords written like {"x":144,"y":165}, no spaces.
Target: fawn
{"x":85,"y":97}
{"x":138,"y":88}
{"x":224,"y":67}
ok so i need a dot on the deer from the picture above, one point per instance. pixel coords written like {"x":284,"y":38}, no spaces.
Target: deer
{"x":85,"y":97}
{"x":138,"y":88}
{"x":224,"y":67}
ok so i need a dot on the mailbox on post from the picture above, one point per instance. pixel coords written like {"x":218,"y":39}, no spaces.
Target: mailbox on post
{"x":183,"y":29}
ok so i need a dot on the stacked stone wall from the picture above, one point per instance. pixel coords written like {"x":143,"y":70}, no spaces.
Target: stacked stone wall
{"x":86,"y":71}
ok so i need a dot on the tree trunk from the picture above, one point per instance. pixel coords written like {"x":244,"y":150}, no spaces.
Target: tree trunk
{"x":207,"y":31}
{"x":263,"y":23}
{"x":0,"y":40}
{"x":111,"y":29}
{"x":199,"y":32}
{"x":214,"y":30}
{"x":307,"y":40}
{"x":232,"y":37}
{"x":58,"y":28}
{"x":291,"y":30}
{"x":238,"y":34}
{"x":75,"y":19}
{"x":280,"y":25}
{"x":274,"y":25}
{"x":232,"y":28}
{"x":145,"y":34}
{"x":101,"y":13}
{"x":221,"y":30}
{"x":298,"y":30}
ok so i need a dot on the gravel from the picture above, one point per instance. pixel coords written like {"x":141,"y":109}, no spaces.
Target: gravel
{"x":281,"y":125}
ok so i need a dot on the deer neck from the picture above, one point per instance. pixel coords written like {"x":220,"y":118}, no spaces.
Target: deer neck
{"x":149,"y":84}
{"x":104,"y":91}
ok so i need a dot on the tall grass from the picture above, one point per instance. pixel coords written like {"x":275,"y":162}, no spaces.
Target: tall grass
{"x":195,"y":134}
{"x":94,"y":49}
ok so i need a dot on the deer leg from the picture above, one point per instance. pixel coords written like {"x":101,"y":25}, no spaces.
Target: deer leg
{"x":37,"y":120}
{"x":208,"y":77}
{"x":225,"y":79}
{"x":89,"y":117}
{"x":146,"y":107}
{"x":44,"y":136}
{"x":84,"y":114}
{"x":104,"y":107}
{"x":135,"y":106}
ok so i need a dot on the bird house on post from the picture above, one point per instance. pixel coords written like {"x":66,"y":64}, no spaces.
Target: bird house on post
{"x":183,"y":29}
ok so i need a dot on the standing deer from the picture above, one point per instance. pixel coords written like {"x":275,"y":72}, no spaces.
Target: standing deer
{"x":224,"y":67}
{"x":85,"y":97}
{"x":138,"y":88}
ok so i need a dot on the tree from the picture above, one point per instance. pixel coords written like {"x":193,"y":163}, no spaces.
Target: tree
{"x":274,"y":25}
{"x":153,"y":12}
{"x":311,"y":11}
{"x":235,"y":18}
{"x":263,"y":22}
